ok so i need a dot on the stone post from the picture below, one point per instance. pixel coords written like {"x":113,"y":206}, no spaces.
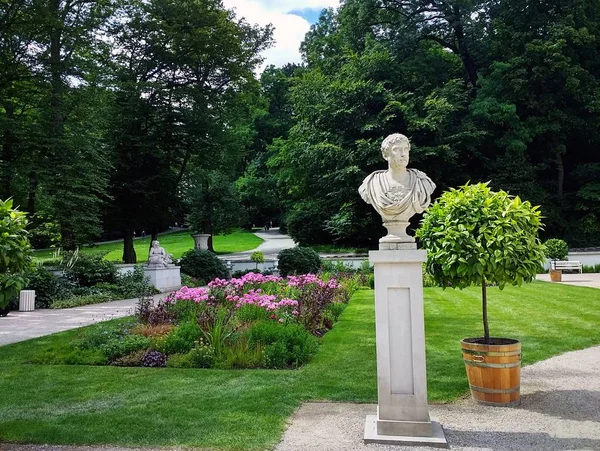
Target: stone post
{"x":402,"y":413}
{"x":201,"y":241}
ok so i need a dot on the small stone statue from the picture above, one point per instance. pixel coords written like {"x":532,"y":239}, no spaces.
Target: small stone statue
{"x":398,"y":193}
{"x":158,"y":256}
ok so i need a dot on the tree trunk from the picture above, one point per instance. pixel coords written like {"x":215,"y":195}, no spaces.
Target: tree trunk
{"x":31,"y":192}
{"x":153,"y":237}
{"x":68,"y":242}
{"x":463,"y":50}
{"x":486,"y":329}
{"x":561,"y":176}
{"x":207,"y":228}
{"x":129,"y":255}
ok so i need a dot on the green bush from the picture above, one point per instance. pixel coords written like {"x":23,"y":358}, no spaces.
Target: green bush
{"x":203,"y":265}
{"x":78,"y":301}
{"x":298,"y":260}
{"x":556,"y":249}
{"x":15,"y":251}
{"x":591,"y":269}
{"x":133,"y":359}
{"x":118,"y":347}
{"x":182,"y":338}
{"x":90,"y":270}
{"x":285,"y":346}
{"x":48,"y":287}
{"x":201,"y":356}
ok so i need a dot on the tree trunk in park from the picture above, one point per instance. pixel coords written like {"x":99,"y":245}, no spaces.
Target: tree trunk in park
{"x":207,"y":228}
{"x":129,"y":255}
{"x":561,"y":175}
{"x":31,"y":192}
{"x":486,"y":329}
{"x":153,"y":237}
{"x":463,"y":51}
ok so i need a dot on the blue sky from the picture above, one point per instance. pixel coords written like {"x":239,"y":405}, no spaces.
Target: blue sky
{"x":310,"y":14}
{"x":291,"y":20}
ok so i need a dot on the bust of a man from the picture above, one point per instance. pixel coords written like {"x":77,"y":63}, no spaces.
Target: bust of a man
{"x":398,"y":193}
{"x":158,"y":256}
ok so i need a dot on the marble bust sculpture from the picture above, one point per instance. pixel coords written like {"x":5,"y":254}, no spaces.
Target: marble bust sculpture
{"x":158,"y":256}
{"x":397,"y":193}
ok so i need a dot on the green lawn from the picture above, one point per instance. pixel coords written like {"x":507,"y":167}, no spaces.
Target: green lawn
{"x":174,"y":243}
{"x":248,"y":409}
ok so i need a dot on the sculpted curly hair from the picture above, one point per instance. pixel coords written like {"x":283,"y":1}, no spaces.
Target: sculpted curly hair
{"x":392,"y":139}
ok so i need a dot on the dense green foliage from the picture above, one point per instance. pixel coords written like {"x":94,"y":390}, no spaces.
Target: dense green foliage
{"x":474,"y":236}
{"x":298,"y":260}
{"x":15,"y":252}
{"x":556,"y":249}
{"x":254,"y":407}
{"x":202,"y":265}
{"x":501,"y":91}
{"x":110,"y":110}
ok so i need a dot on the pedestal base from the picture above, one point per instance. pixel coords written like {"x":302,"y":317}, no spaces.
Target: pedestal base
{"x":437,"y":438}
{"x":164,"y":278}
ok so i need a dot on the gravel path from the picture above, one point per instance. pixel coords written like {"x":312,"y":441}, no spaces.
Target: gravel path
{"x":560,"y":411}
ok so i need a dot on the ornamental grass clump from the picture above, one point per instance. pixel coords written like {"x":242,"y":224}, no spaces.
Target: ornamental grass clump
{"x":475,"y":236}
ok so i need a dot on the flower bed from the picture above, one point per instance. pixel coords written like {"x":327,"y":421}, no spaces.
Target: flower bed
{"x":254,"y":321}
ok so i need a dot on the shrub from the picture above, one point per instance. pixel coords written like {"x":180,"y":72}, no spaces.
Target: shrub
{"x":284,"y":345}
{"x":201,"y":356}
{"x":89,"y":270}
{"x":118,"y":347}
{"x":159,"y":330}
{"x":257,"y":257}
{"x":556,"y":249}
{"x":298,"y":260}
{"x":48,"y":287}
{"x":16,"y":252}
{"x":476,"y":236}
{"x":133,"y":359}
{"x":134,"y":284}
{"x":190,"y":282}
{"x":154,"y":359}
{"x":243,"y":272}
{"x":203,"y":265}
{"x":182,"y":338}
{"x":78,"y":301}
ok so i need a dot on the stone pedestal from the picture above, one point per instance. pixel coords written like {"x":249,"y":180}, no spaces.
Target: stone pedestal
{"x":26,"y":300}
{"x":201,"y":241}
{"x":164,"y":278}
{"x":402,"y":413}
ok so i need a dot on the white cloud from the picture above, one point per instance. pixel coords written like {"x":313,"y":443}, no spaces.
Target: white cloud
{"x":289,"y":29}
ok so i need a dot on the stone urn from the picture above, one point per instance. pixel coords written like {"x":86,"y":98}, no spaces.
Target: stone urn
{"x":201,"y":241}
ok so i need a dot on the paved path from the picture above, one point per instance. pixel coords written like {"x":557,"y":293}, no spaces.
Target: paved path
{"x":270,"y":247}
{"x":21,"y":326}
{"x":582,"y":280}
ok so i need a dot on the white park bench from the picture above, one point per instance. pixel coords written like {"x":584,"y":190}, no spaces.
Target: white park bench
{"x":567,"y":264}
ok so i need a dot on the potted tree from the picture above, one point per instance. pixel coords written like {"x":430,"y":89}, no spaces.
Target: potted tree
{"x":16,"y":254}
{"x":475,"y":236}
{"x":556,"y":250}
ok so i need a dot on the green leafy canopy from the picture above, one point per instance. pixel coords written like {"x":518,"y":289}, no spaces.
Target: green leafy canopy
{"x":473,"y":235}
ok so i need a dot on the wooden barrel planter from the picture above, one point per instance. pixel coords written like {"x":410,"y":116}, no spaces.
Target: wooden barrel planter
{"x":494,"y":370}
{"x":555,"y":275}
